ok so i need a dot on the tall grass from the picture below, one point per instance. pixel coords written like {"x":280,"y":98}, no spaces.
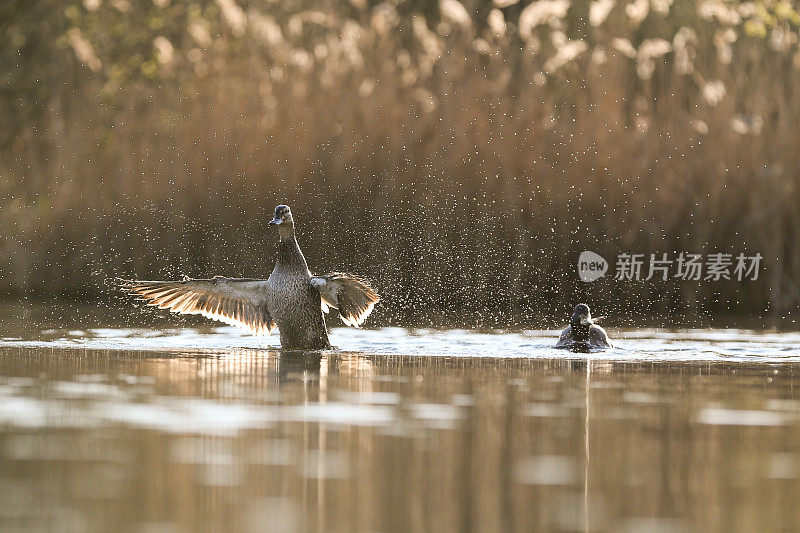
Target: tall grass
{"x":460,"y":154}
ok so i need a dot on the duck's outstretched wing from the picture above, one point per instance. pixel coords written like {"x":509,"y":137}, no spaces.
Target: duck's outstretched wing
{"x":351,"y":295}
{"x":235,"y":301}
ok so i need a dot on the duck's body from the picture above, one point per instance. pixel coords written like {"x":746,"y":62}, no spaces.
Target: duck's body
{"x":294,"y":303}
{"x":593,"y":337}
{"x":582,"y":333}
{"x":291,"y":298}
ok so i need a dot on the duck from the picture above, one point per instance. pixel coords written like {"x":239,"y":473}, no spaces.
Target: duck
{"x":291,"y":299}
{"x":582,"y":333}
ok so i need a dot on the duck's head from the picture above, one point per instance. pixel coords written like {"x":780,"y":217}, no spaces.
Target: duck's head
{"x":582,"y":315}
{"x":283,"y":215}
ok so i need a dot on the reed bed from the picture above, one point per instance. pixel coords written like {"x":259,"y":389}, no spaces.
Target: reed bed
{"x":459,"y":154}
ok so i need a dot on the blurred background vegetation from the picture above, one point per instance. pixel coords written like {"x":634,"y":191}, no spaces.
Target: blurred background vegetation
{"x":459,"y":153}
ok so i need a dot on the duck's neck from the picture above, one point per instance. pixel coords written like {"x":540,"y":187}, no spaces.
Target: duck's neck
{"x":289,"y":254}
{"x":286,"y":232}
{"x":580,"y":332}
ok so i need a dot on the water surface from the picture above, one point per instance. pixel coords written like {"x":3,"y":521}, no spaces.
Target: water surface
{"x":157,"y":429}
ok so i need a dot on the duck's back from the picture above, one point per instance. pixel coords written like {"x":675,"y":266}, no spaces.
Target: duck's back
{"x":591,"y":337}
{"x":294,"y":303}
{"x":598,"y":337}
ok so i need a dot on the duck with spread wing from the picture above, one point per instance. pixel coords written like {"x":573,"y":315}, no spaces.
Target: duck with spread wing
{"x":291,"y":299}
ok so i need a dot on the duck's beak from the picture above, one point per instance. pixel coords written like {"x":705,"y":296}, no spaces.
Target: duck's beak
{"x":275,"y":222}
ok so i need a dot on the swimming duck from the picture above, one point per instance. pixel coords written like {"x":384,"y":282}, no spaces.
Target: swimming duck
{"x":291,"y":298}
{"x":582,"y":332}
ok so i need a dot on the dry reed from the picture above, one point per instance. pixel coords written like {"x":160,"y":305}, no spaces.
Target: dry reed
{"x":461,"y":155}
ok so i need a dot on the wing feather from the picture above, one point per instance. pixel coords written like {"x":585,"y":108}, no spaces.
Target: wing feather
{"x":235,"y":301}
{"x":353,"y":296}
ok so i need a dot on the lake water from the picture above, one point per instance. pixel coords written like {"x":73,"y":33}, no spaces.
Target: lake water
{"x":157,"y":429}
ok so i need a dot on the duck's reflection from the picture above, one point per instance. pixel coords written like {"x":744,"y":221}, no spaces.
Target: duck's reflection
{"x":296,"y":366}
{"x":276,"y":367}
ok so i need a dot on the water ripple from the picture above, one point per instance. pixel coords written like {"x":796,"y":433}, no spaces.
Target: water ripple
{"x":689,"y":345}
